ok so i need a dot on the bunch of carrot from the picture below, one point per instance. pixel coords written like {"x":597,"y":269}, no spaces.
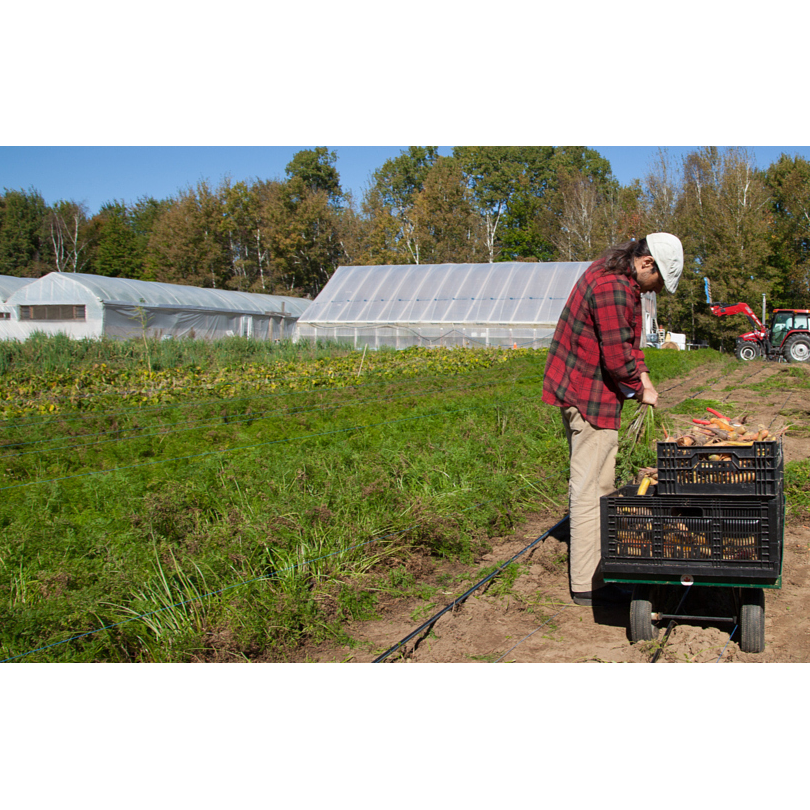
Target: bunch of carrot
{"x":721,"y":430}
{"x":732,"y":431}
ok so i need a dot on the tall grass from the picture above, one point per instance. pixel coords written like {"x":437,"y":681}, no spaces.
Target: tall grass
{"x":235,"y":499}
{"x":59,"y":353}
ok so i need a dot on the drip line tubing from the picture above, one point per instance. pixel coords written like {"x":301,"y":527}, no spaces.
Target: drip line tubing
{"x":430,"y":622}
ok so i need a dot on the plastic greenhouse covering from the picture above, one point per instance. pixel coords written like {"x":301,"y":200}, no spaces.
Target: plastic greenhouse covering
{"x":83,"y":305}
{"x":501,"y":304}
{"x":10,"y":284}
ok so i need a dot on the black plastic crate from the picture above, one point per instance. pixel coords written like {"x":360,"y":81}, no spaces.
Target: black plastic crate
{"x":707,"y":537}
{"x":757,"y":470}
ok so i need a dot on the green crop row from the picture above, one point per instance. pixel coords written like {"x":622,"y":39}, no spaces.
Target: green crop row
{"x":197,"y":528}
{"x":236,"y":509}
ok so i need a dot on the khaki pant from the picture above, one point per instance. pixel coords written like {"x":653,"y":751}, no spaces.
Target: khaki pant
{"x":593,"y":471}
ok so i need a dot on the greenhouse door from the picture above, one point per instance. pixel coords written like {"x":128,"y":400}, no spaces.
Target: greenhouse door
{"x":246,"y":329}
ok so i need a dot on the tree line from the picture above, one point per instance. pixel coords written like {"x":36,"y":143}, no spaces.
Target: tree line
{"x":745,"y":229}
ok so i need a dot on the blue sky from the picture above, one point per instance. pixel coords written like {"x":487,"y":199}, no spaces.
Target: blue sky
{"x":98,"y":174}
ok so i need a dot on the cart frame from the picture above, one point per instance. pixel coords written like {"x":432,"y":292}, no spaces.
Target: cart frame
{"x":652,"y":574}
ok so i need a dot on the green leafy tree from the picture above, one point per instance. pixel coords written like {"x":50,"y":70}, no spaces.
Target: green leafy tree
{"x":502,"y":180}
{"x":399,"y":179}
{"x":583,"y":212}
{"x":24,"y":245}
{"x":118,"y":251}
{"x":788,"y":181}
{"x":522,"y":235}
{"x":143,"y":216}
{"x":395,"y":186}
{"x":446,"y":224}
{"x":316,"y":169}
{"x":513,"y":185}
{"x":578,"y":159}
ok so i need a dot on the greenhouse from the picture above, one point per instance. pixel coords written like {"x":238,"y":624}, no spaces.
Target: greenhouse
{"x":82,"y":305}
{"x":10,"y":284}
{"x":503,"y":304}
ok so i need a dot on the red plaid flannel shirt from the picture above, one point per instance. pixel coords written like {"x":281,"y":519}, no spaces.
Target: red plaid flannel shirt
{"x":596,"y":347}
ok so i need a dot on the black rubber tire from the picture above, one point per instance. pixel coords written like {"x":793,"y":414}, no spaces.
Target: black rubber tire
{"x":797,"y":349}
{"x":641,"y":608}
{"x":752,"y":620}
{"x":747,"y":351}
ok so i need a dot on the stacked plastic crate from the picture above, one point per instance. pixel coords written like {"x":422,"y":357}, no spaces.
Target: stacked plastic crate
{"x":716,"y":517}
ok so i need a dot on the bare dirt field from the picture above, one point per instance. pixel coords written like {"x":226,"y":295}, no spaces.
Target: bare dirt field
{"x":533,"y":620}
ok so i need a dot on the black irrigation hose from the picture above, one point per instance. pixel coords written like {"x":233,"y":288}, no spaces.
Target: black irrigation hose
{"x":430,"y":622}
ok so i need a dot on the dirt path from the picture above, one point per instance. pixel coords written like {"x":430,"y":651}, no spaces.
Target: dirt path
{"x":533,"y":619}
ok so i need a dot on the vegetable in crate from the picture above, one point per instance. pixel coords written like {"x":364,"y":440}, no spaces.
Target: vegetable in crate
{"x":721,"y":431}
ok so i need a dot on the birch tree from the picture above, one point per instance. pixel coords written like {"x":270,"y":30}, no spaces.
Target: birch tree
{"x":66,"y":222}
{"x":395,"y":186}
{"x":577,"y":219}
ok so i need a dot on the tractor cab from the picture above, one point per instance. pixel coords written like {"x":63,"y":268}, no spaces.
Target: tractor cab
{"x":784,"y":321}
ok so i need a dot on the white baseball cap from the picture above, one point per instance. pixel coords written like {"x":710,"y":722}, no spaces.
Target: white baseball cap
{"x":667,"y":251}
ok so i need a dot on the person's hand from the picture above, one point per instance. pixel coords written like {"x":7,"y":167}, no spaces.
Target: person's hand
{"x":649,"y":396}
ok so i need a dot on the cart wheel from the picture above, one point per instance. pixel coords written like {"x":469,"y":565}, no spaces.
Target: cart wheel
{"x":752,"y":620}
{"x":641,"y":624}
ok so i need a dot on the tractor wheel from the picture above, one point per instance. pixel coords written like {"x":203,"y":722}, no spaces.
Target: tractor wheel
{"x":797,"y":349}
{"x":747,"y":351}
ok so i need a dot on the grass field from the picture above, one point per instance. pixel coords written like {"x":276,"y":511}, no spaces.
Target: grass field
{"x":178,"y":501}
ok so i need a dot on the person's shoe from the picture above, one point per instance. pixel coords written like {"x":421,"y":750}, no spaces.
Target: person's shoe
{"x":607,"y":596}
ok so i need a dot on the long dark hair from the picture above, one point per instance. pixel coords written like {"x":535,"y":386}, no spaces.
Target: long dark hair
{"x":619,"y":258}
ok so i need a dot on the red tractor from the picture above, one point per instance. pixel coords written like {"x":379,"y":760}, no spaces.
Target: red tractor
{"x":787,"y":337}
